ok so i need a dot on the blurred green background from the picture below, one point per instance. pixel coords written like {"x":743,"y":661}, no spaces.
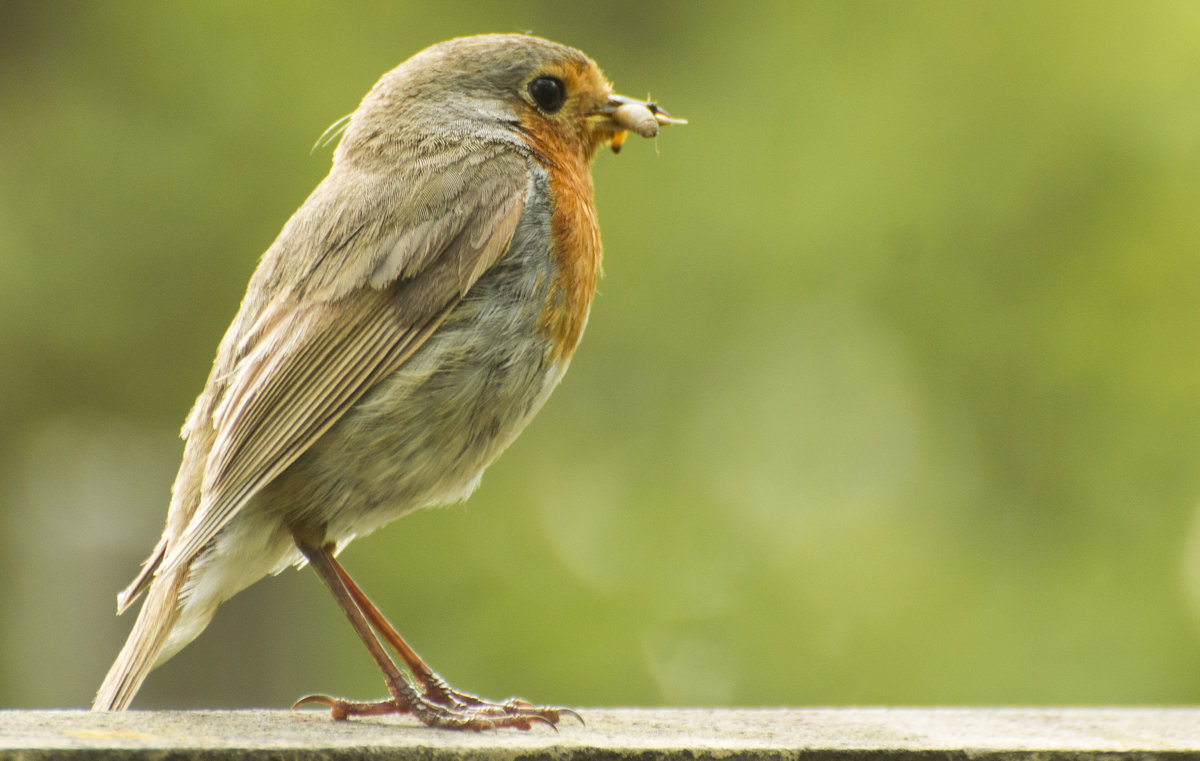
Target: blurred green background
{"x":891,"y":394}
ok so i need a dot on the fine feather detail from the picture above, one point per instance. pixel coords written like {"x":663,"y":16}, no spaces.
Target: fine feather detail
{"x":140,"y":653}
{"x":313,"y":361}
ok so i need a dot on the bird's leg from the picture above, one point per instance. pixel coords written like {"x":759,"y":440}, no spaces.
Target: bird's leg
{"x":404,"y":695}
{"x":433,"y":686}
{"x":431,"y":700}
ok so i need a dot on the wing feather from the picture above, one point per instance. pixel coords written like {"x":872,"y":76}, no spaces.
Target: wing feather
{"x":323,"y":341}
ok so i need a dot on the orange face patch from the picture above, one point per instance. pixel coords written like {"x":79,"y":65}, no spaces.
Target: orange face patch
{"x":574,"y":128}
{"x":565,"y":142}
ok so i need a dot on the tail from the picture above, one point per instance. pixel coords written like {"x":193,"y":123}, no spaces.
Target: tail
{"x":142,"y":650}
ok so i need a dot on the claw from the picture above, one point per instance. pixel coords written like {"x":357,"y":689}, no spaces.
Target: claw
{"x":324,"y":700}
{"x":544,"y":720}
{"x":573,"y":714}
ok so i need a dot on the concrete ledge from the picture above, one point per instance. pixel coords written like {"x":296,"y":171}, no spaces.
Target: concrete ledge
{"x":614,"y":735}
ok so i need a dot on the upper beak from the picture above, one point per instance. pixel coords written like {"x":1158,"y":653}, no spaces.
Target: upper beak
{"x":640,"y":116}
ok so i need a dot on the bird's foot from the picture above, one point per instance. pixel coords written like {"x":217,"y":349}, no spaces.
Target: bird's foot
{"x":441,"y":706}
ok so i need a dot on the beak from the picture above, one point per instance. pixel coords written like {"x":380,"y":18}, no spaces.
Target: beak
{"x":629,"y":115}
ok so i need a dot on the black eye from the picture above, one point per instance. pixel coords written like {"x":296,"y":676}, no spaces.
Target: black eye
{"x":549,"y":93}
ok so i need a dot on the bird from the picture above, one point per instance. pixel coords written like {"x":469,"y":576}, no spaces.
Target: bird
{"x":406,"y":324}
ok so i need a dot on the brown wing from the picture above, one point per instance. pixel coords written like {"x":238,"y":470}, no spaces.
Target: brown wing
{"x":388,"y":268}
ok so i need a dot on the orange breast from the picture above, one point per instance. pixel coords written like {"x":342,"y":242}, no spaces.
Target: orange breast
{"x":575,"y":236}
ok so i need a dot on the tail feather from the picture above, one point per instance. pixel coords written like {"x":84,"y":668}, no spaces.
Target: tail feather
{"x":141,"y":652}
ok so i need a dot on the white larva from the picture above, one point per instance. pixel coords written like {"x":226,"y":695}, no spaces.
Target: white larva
{"x":636,"y":117}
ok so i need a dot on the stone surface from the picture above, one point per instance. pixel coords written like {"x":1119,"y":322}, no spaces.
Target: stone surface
{"x":616,"y":734}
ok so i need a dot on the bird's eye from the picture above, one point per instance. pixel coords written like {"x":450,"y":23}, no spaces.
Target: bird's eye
{"x":548,"y":92}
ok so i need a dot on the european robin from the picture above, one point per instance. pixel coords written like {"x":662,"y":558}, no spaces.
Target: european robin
{"x":400,"y":332}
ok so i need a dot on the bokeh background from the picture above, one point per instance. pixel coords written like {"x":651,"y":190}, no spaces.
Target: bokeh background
{"x":891,"y":394}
